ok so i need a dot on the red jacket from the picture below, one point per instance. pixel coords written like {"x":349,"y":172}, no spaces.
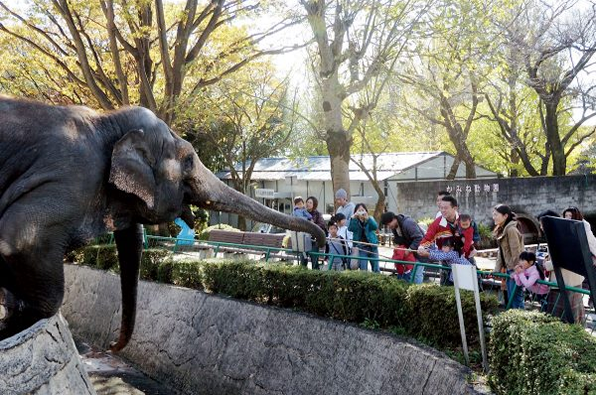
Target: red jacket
{"x":468,"y":236}
{"x":399,"y":255}
{"x":438,"y":231}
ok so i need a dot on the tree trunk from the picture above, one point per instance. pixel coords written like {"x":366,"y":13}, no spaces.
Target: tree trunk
{"x":337,"y":138}
{"x":338,"y":146}
{"x":379,"y":207}
{"x":514,"y":172}
{"x":453,"y":170}
{"x":553,"y":138}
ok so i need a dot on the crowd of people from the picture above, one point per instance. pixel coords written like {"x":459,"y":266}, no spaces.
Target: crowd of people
{"x":452,"y":238}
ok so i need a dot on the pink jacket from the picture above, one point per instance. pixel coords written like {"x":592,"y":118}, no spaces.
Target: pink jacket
{"x":528,"y":279}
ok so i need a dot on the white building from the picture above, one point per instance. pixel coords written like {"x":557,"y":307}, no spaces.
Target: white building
{"x":276,"y":181}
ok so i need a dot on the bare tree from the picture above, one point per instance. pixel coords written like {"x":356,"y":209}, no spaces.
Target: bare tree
{"x":514,"y":107}
{"x":557,"y":41}
{"x":108,"y":47}
{"x":354,"y":42}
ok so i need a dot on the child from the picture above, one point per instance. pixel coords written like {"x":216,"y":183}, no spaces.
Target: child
{"x":400,"y":254}
{"x":300,"y":210}
{"x":336,"y":245}
{"x":448,"y":254}
{"x":468,"y":232}
{"x":342,"y":229}
{"x":527,"y":274}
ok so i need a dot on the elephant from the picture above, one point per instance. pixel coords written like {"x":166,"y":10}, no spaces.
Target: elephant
{"x":69,"y":174}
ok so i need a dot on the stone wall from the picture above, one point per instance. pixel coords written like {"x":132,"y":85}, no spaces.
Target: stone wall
{"x":477,"y":197}
{"x":206,"y":344}
{"x":42,"y":360}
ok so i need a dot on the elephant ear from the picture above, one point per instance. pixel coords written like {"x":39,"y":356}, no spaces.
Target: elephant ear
{"x":131,"y":170}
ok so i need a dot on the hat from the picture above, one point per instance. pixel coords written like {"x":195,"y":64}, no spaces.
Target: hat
{"x":387,"y":217}
{"x":341,"y":194}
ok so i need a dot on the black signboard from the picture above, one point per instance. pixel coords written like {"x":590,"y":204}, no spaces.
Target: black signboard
{"x":568,"y":249}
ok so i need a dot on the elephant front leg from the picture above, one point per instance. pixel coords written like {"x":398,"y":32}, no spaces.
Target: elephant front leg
{"x":7,"y":307}
{"x":10,"y":309}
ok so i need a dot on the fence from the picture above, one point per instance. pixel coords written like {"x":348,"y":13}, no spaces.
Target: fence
{"x":267,"y":253}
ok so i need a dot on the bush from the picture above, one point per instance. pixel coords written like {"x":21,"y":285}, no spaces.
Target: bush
{"x":429,"y":304}
{"x":354,"y":296}
{"x":185,"y":274}
{"x":102,"y":256}
{"x":532,"y":353}
{"x":486,"y":237}
{"x":150,"y":262}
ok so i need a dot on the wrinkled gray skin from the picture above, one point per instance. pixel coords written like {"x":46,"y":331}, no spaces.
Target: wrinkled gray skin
{"x":69,"y":174}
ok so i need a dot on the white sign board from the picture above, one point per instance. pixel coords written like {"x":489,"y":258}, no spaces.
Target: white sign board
{"x":264,"y":193}
{"x":466,"y":277}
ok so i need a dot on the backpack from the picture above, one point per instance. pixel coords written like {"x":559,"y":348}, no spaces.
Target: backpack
{"x":541,"y":269}
{"x":345,"y":248}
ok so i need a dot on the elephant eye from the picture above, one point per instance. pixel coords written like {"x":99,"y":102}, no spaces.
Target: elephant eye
{"x":188,"y":163}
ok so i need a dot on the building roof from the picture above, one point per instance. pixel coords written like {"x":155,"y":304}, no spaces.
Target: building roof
{"x":318,"y":168}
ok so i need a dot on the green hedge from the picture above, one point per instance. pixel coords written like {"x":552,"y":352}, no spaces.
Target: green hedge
{"x":352,"y":296}
{"x":430,"y":304}
{"x":102,"y":256}
{"x":532,"y":353}
{"x":105,"y":257}
{"x":348,"y":296}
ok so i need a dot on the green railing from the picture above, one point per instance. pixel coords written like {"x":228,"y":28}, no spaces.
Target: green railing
{"x":316,"y":256}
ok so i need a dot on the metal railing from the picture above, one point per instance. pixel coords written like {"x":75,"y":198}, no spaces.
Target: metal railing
{"x":316,"y":256}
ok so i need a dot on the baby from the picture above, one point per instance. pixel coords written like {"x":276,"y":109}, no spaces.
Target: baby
{"x":468,"y":232}
{"x":300,"y":210}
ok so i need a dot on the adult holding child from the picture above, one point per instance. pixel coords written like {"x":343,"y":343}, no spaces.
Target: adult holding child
{"x":511,"y":244}
{"x":407,"y":236}
{"x":364,"y":230}
{"x":441,"y":229}
{"x":312,"y":203}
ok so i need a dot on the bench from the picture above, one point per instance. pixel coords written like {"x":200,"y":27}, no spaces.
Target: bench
{"x":245,"y":238}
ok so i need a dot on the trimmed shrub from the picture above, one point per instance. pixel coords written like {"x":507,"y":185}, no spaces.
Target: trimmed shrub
{"x":102,"y":256}
{"x":75,"y":256}
{"x":429,"y":304}
{"x":532,"y":353}
{"x":425,"y":311}
{"x":185,"y":274}
{"x":164,"y":271}
{"x":150,"y":262}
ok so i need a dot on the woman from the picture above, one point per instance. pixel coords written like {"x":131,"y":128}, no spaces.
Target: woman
{"x":311,"y":206}
{"x":511,"y":244}
{"x":574,"y":213}
{"x":364,"y":229}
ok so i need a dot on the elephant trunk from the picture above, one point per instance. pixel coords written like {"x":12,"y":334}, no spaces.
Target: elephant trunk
{"x":212,"y":194}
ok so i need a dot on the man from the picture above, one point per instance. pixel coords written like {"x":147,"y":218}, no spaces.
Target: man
{"x":442,"y":228}
{"x":346,"y":208}
{"x":408,"y":234}
{"x":343,"y":205}
{"x":439,"y":199}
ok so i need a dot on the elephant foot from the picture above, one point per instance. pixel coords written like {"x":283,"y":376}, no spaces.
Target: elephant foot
{"x":8,"y":306}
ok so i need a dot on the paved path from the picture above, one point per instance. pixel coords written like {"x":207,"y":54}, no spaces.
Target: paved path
{"x":111,"y":375}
